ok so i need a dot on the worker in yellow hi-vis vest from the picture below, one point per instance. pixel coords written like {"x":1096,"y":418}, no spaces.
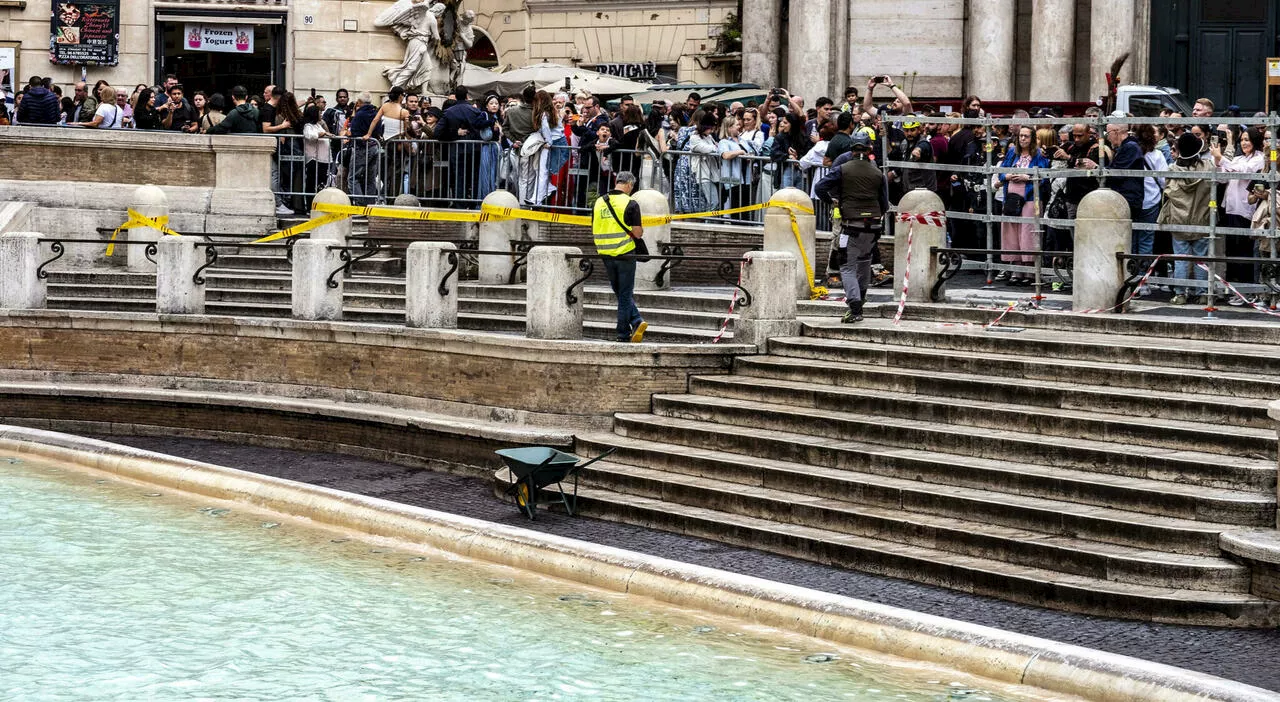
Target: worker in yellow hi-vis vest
{"x":615,"y":224}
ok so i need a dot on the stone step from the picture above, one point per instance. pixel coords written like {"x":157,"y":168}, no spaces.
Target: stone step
{"x":1032,"y":393}
{"x":1140,"y":378}
{"x":1085,"y":424}
{"x":981,"y":576}
{"x":1192,"y":467}
{"x":360,"y":308}
{"x":1245,"y":500}
{"x":1124,"y":511}
{"x":98,"y":291}
{"x":1259,"y":331}
{"x":101,"y":277}
{"x":1211,"y":356}
{"x":1011,"y":545}
{"x":278,"y":263}
{"x":102,"y":304}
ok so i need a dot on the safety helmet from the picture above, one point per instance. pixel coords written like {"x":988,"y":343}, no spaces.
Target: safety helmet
{"x":860,"y":141}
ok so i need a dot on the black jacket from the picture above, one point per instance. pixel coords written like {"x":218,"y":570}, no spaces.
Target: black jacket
{"x":1129,"y":157}
{"x":40,"y":106}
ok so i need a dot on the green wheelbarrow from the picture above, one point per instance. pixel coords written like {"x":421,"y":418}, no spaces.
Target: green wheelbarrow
{"x":533,"y":468}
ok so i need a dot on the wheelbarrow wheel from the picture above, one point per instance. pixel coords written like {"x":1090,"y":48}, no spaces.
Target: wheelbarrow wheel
{"x":524,"y":499}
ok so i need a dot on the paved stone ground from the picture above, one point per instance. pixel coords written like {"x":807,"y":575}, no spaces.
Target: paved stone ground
{"x":1250,"y":656}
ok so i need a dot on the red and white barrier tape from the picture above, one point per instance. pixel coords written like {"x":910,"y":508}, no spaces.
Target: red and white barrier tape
{"x":724,"y":326}
{"x":1255,"y":305}
{"x":934,"y":219}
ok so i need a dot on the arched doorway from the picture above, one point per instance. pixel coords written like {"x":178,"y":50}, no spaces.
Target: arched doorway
{"x":483,"y":53}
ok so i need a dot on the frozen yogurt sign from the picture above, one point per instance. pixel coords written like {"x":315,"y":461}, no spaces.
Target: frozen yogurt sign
{"x":229,"y":38}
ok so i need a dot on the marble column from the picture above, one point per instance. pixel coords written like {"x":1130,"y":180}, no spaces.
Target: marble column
{"x":810,"y":42}
{"x":761,"y":41}
{"x":1110,"y":36}
{"x":1053,"y":34}
{"x":989,"y":55}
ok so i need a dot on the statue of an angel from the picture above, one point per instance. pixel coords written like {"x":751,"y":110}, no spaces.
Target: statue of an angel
{"x":417,"y":22}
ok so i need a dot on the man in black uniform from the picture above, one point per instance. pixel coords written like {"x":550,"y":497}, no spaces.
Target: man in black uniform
{"x":860,"y":191}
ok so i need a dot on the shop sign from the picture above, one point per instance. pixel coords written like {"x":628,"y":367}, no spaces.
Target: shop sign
{"x":85,"y":33}
{"x":226,"y":38}
{"x":647,"y":69}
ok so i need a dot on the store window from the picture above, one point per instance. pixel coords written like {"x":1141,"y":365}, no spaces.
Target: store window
{"x":214,"y":52}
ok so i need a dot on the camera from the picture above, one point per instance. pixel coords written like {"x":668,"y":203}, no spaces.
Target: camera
{"x":880,"y":79}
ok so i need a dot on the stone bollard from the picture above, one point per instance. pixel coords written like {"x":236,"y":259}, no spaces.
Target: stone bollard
{"x":313,"y":262}
{"x":427,"y":264}
{"x":653,"y":204}
{"x":20,"y":287}
{"x":1103,"y":229}
{"x":497,"y":236}
{"x":924,"y":267}
{"x":406,"y":200}
{"x":779,"y":237}
{"x":772,"y":311}
{"x":177,"y":260}
{"x":548,"y":314}
{"x":148,"y":201}
{"x":336,"y":233}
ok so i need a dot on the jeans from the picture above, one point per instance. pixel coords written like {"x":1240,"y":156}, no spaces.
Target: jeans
{"x":1188,"y":269}
{"x":275,"y":178}
{"x":622,"y":278}
{"x":362,"y":179}
{"x":1144,"y":240}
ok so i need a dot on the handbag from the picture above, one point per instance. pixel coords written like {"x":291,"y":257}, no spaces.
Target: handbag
{"x":1013,"y":203}
{"x":641,"y":251}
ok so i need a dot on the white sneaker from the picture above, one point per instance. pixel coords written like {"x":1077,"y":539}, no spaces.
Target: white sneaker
{"x":283,"y":211}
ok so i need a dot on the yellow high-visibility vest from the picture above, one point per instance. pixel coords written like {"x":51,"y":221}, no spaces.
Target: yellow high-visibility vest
{"x":611,"y":237}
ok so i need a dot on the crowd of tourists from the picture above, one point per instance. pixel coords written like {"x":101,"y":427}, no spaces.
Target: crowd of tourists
{"x":554,"y":149}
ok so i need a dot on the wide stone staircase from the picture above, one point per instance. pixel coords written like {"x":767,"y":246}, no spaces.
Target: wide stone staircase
{"x":251,"y":283}
{"x":1074,"y":468}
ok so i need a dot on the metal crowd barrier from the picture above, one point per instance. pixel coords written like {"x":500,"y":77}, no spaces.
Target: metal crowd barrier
{"x":976,"y":182}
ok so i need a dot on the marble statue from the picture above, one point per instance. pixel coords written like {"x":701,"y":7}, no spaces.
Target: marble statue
{"x":437,"y":39}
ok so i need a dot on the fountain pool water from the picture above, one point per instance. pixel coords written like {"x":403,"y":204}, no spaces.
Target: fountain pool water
{"x":112,"y":590}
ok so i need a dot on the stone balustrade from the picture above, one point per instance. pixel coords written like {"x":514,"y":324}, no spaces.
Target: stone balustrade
{"x":78,"y":180}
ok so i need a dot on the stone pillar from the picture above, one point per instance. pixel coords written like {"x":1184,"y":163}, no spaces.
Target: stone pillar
{"x":1110,"y":36}
{"x":988,"y":66}
{"x":548,"y":314}
{"x":148,"y":201}
{"x":177,"y":260}
{"x":427,"y":263}
{"x":653,"y":204}
{"x":335,"y":233}
{"x":1053,"y":36}
{"x":779,"y":237}
{"x":809,"y":34}
{"x":20,"y":287}
{"x":924,"y":267}
{"x":312,"y":296}
{"x":1103,"y":229}
{"x":772,"y":311}
{"x":497,"y":236}
{"x":761,"y":41}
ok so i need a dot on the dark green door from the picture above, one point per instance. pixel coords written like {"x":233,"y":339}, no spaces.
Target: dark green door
{"x":1214,"y":48}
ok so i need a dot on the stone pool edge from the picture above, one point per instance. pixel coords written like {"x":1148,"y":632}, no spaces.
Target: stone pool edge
{"x":978,"y":650}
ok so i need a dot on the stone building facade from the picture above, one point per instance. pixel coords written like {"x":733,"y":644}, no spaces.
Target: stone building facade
{"x":999,"y":49}
{"x":326,"y":44}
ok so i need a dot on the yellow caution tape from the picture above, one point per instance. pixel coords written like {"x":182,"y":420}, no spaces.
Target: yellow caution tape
{"x":140,"y":221}
{"x":816,"y":292}
{"x":301,"y":228}
{"x":490,"y":213}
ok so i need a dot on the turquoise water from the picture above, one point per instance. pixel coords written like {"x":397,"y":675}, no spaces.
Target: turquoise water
{"x":111,"y":591}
